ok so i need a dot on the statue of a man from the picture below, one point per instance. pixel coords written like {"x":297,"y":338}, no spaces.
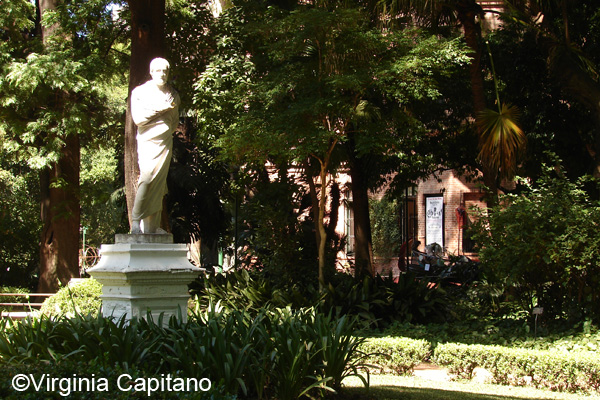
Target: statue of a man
{"x":155,"y":111}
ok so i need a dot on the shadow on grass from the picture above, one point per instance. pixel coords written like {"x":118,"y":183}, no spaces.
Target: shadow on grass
{"x":407,"y":393}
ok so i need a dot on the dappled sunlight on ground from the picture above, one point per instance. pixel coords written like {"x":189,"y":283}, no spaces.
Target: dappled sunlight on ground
{"x":433,"y":387}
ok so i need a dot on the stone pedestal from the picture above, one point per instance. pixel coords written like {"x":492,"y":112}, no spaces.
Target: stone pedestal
{"x":144,"y":273}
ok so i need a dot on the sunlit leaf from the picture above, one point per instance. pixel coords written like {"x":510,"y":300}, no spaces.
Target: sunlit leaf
{"x":502,"y":140}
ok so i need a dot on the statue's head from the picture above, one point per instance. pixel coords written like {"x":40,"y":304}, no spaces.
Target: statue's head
{"x":159,"y":71}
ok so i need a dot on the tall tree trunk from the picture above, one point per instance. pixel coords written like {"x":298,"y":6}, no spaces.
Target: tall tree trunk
{"x":363,"y":243}
{"x":147,"y":42}
{"x":322,"y":243}
{"x":59,"y":204}
{"x":60,"y":212}
{"x":468,"y":11}
{"x":334,"y":209}
{"x":319,"y":202}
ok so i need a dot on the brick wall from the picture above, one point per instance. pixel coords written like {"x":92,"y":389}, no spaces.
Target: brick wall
{"x":457,"y":191}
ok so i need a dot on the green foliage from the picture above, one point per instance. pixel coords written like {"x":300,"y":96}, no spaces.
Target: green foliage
{"x":31,"y":85}
{"x":377,"y":301}
{"x":550,"y":118}
{"x":12,"y":299}
{"x":340,"y":355}
{"x":190,"y":37}
{"x":56,"y":88}
{"x":385,"y":227}
{"x":276,"y":93}
{"x":81,"y":298}
{"x":273,"y":90}
{"x":296,"y":357}
{"x":397,"y":354}
{"x":457,"y":358}
{"x":502,"y":139}
{"x":577,"y":371}
{"x":199,"y":187}
{"x":102,"y":201}
{"x":543,"y":245}
{"x":380,"y":301}
{"x":506,"y":332}
{"x":19,"y":224}
{"x":245,"y":290}
{"x":272,"y":229}
{"x":281,"y":353}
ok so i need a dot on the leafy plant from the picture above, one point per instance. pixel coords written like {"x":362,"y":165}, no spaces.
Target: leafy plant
{"x":378,"y":300}
{"x":542,"y":246}
{"x":340,"y":351}
{"x":385,"y":227}
{"x":296,"y":361}
{"x":281,"y":353}
{"x":245,"y":290}
{"x":80,"y":298}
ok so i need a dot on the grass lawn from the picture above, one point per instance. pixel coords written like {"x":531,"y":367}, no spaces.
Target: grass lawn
{"x":389,"y":387}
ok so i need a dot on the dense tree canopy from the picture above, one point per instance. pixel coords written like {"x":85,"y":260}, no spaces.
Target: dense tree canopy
{"x":290,"y":86}
{"x":56,"y":67}
{"x":385,"y":90}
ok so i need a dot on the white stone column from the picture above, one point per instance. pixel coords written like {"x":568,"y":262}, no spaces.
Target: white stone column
{"x":144,"y":273}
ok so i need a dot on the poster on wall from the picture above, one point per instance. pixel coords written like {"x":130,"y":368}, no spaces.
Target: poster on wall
{"x":434,"y":220}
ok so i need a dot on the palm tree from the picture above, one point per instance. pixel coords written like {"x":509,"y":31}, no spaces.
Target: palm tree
{"x":501,"y":139}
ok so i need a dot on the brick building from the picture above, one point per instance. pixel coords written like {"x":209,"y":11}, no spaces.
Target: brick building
{"x":436,"y":210}
{"x":443,"y":211}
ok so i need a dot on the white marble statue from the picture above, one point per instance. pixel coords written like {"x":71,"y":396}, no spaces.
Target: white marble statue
{"x":155,"y":111}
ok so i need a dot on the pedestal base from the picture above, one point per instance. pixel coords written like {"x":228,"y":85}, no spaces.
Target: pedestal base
{"x":143,"y":274}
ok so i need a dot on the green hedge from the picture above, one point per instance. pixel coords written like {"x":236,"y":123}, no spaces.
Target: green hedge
{"x":576,"y":371}
{"x":458,"y":358}
{"x":396,"y":354}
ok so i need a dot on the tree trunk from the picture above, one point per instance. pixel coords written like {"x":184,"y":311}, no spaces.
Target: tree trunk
{"x":59,"y":203}
{"x":334,"y":209}
{"x":60,"y":212}
{"x":468,"y":11}
{"x":147,"y":42}
{"x":319,"y":202}
{"x":363,"y":243}
{"x":322,"y":243}
{"x":314,"y":199}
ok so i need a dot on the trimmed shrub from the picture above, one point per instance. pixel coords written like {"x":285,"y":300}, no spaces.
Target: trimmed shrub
{"x":397,"y":354}
{"x":81,"y":298}
{"x":458,"y":358}
{"x":576,"y":371}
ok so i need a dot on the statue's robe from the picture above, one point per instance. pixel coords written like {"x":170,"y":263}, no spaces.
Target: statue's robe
{"x":156,"y":113}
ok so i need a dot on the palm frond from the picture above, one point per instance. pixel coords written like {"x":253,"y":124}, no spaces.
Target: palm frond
{"x":502,"y":140}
